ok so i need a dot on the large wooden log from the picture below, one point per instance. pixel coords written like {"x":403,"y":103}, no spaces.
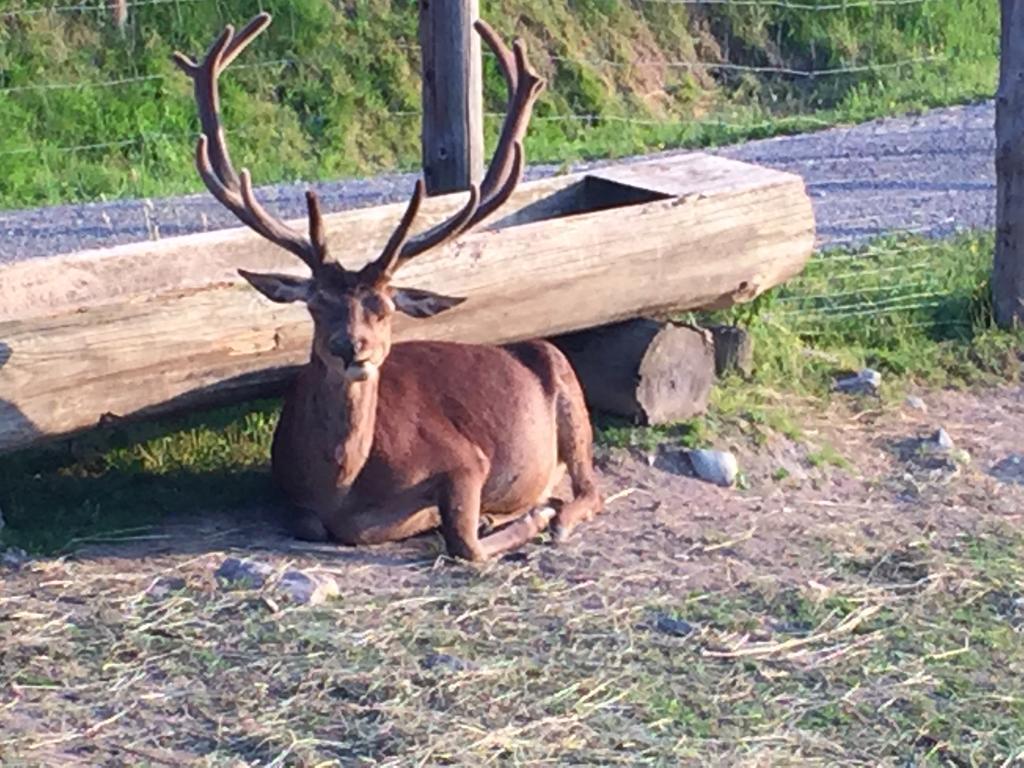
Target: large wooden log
{"x":151,"y":327}
{"x":643,"y":370}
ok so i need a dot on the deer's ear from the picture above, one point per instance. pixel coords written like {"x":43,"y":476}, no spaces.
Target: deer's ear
{"x":416,"y":303}
{"x":280,"y":288}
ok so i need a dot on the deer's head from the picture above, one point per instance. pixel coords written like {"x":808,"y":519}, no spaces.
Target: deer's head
{"x":353,"y":310}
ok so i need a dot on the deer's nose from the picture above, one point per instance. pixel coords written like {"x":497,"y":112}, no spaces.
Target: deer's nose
{"x":348,"y":350}
{"x":342,"y":348}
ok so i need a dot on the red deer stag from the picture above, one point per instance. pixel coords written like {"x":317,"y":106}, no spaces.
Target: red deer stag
{"x":377,"y":442}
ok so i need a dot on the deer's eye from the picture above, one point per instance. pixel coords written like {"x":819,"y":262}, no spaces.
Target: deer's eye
{"x":377,"y":305}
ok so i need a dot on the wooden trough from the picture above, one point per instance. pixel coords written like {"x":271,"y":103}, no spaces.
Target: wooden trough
{"x":154,"y":327}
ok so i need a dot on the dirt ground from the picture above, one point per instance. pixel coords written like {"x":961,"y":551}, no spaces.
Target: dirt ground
{"x":881,"y":487}
{"x":858,"y":483}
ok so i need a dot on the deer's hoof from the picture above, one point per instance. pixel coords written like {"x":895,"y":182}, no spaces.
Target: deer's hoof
{"x":559,"y":534}
{"x":545,"y":513}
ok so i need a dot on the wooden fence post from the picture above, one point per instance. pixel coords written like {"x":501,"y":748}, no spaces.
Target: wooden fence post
{"x":1008,"y":270}
{"x":119,"y":13}
{"x":453,"y":130}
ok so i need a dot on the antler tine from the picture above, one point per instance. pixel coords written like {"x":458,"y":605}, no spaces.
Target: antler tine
{"x":311,"y":250}
{"x":506,"y":168}
{"x":316,"y":223}
{"x":525,"y":86}
{"x":214,"y":162}
{"x":239,"y":42}
{"x":384,"y":265}
{"x":501,"y":52}
{"x":249,"y":211}
{"x":441,"y":233}
{"x":512,"y":179}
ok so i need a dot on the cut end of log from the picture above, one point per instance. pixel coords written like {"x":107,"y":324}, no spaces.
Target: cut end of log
{"x":646,"y":371}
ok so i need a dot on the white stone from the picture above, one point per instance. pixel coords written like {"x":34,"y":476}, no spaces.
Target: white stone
{"x":243,"y":573}
{"x":916,"y":403}
{"x":718,"y":467}
{"x":942,"y":440}
{"x":307,"y":589}
{"x":866,"y":382}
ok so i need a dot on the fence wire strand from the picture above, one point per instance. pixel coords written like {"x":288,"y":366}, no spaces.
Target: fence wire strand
{"x":824,"y":7}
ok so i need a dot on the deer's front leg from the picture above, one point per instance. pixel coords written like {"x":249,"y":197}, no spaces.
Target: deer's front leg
{"x":460,"y":513}
{"x":460,"y":521}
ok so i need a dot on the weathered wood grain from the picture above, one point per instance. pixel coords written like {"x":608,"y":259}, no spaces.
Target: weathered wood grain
{"x":94,"y":278}
{"x":158,"y":326}
{"x":1008,"y":272}
{"x":453,"y":113}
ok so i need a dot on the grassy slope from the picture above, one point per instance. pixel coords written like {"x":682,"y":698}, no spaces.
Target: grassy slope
{"x":321,"y":103}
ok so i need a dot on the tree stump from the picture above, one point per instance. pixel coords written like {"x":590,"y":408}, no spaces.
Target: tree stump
{"x":734,"y":350}
{"x":647,"y":371}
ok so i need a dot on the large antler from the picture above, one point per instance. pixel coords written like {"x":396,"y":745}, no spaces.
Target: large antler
{"x":233,"y":191}
{"x":503,"y":175}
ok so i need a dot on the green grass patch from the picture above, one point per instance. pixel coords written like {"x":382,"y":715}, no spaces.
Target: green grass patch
{"x":116,"y":482}
{"x":918,"y":311}
{"x":328,"y":91}
{"x":914,"y":309}
{"x":910,"y":660}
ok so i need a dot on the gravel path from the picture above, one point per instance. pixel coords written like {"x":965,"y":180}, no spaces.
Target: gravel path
{"x":931,"y":174}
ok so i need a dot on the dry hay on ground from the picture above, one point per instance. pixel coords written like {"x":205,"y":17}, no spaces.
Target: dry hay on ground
{"x":688,"y":623}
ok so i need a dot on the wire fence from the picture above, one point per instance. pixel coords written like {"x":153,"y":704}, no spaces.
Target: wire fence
{"x":915,"y":177}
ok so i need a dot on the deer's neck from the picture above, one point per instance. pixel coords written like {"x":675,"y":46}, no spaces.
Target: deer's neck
{"x":347,"y":413}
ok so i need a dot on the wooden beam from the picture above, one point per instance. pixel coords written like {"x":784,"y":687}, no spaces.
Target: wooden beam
{"x":133,"y":272}
{"x":155,"y":327}
{"x":119,"y":13}
{"x":1008,"y":271}
{"x":453,"y":115}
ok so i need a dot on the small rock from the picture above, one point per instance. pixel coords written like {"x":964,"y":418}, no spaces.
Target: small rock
{"x":13,"y":558}
{"x":942,"y":439}
{"x":446,"y":663}
{"x":304,"y":589}
{"x":243,"y":573}
{"x":1010,"y":469}
{"x":916,"y":403}
{"x":675,"y":627}
{"x":940,"y":442}
{"x":718,"y":467}
{"x":866,"y":382}
{"x":164,"y":585}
